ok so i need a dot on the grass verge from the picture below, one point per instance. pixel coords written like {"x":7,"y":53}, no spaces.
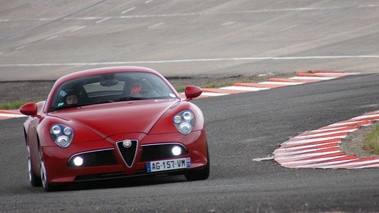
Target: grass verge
{"x":372,"y":141}
{"x":12,"y":105}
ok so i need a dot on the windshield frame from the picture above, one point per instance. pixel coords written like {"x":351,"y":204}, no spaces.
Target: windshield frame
{"x":112,"y":87}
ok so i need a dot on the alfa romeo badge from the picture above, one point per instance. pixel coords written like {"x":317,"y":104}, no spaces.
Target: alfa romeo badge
{"x":127,"y":143}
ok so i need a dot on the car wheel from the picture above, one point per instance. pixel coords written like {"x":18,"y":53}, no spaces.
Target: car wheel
{"x":199,"y":174}
{"x":33,"y":178}
{"x":45,"y":184}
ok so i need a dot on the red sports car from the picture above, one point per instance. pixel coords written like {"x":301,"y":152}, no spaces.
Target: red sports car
{"x":112,"y":123}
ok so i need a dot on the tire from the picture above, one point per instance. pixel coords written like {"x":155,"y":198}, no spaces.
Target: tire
{"x":45,"y":183}
{"x":33,"y":178}
{"x":48,"y":187}
{"x":199,"y":174}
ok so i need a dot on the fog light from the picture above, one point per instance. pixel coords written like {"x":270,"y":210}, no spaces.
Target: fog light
{"x":78,"y":161}
{"x":176,"y":150}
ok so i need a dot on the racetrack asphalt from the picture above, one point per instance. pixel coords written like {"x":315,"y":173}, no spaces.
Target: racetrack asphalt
{"x":312,"y":149}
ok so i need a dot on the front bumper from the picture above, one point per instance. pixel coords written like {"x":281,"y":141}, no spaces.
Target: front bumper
{"x":108,"y":159}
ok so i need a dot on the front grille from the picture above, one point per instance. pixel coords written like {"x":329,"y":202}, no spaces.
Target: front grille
{"x":94,"y":158}
{"x":160,"y":151}
{"x":128,"y":154}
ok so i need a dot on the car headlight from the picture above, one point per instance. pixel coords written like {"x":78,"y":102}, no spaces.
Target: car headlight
{"x":62,"y":135}
{"x":184,"y":121}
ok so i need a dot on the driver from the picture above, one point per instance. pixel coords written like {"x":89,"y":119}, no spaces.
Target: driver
{"x":71,"y":99}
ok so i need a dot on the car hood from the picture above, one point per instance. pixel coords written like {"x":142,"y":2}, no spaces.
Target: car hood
{"x":117,"y":118}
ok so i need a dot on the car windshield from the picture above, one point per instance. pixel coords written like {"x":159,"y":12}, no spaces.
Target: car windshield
{"x":110,"y":87}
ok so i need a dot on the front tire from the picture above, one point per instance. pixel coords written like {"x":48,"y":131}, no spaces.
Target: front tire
{"x":48,"y":187}
{"x":33,"y":178}
{"x":45,"y":184}
{"x":199,"y":174}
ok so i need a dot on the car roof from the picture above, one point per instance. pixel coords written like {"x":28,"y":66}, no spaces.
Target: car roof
{"x":104,"y":70}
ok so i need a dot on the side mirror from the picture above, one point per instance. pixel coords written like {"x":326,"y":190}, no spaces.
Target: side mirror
{"x":29,"y":109}
{"x":192,"y":92}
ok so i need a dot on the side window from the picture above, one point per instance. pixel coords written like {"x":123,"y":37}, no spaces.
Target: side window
{"x":67,"y":97}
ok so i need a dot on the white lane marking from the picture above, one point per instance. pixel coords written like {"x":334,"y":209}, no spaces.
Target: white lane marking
{"x":128,"y":10}
{"x":78,"y":28}
{"x":48,"y":37}
{"x":102,"y":20}
{"x":227,"y":23}
{"x":21,"y":47}
{"x":305,"y":9}
{"x":155,"y":25}
{"x":148,"y":1}
{"x":51,"y":38}
{"x":263,"y":159}
{"x":187,"y":60}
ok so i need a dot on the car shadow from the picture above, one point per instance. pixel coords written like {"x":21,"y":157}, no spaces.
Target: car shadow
{"x":126,"y":182}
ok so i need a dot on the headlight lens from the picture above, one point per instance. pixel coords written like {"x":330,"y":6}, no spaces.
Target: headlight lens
{"x":62,"y":135}
{"x":184,"y":121}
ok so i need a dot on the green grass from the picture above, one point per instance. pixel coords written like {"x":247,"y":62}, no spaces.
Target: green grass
{"x":372,"y":141}
{"x":180,"y":88}
{"x":12,"y":105}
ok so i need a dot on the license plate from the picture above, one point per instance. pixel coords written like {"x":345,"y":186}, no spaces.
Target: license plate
{"x":164,"y":165}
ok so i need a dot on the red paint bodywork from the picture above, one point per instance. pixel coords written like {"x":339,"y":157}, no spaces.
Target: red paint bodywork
{"x":98,"y":127}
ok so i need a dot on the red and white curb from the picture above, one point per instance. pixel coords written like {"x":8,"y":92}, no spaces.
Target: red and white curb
{"x":300,"y":78}
{"x":320,"y":148}
{"x":6,"y":114}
